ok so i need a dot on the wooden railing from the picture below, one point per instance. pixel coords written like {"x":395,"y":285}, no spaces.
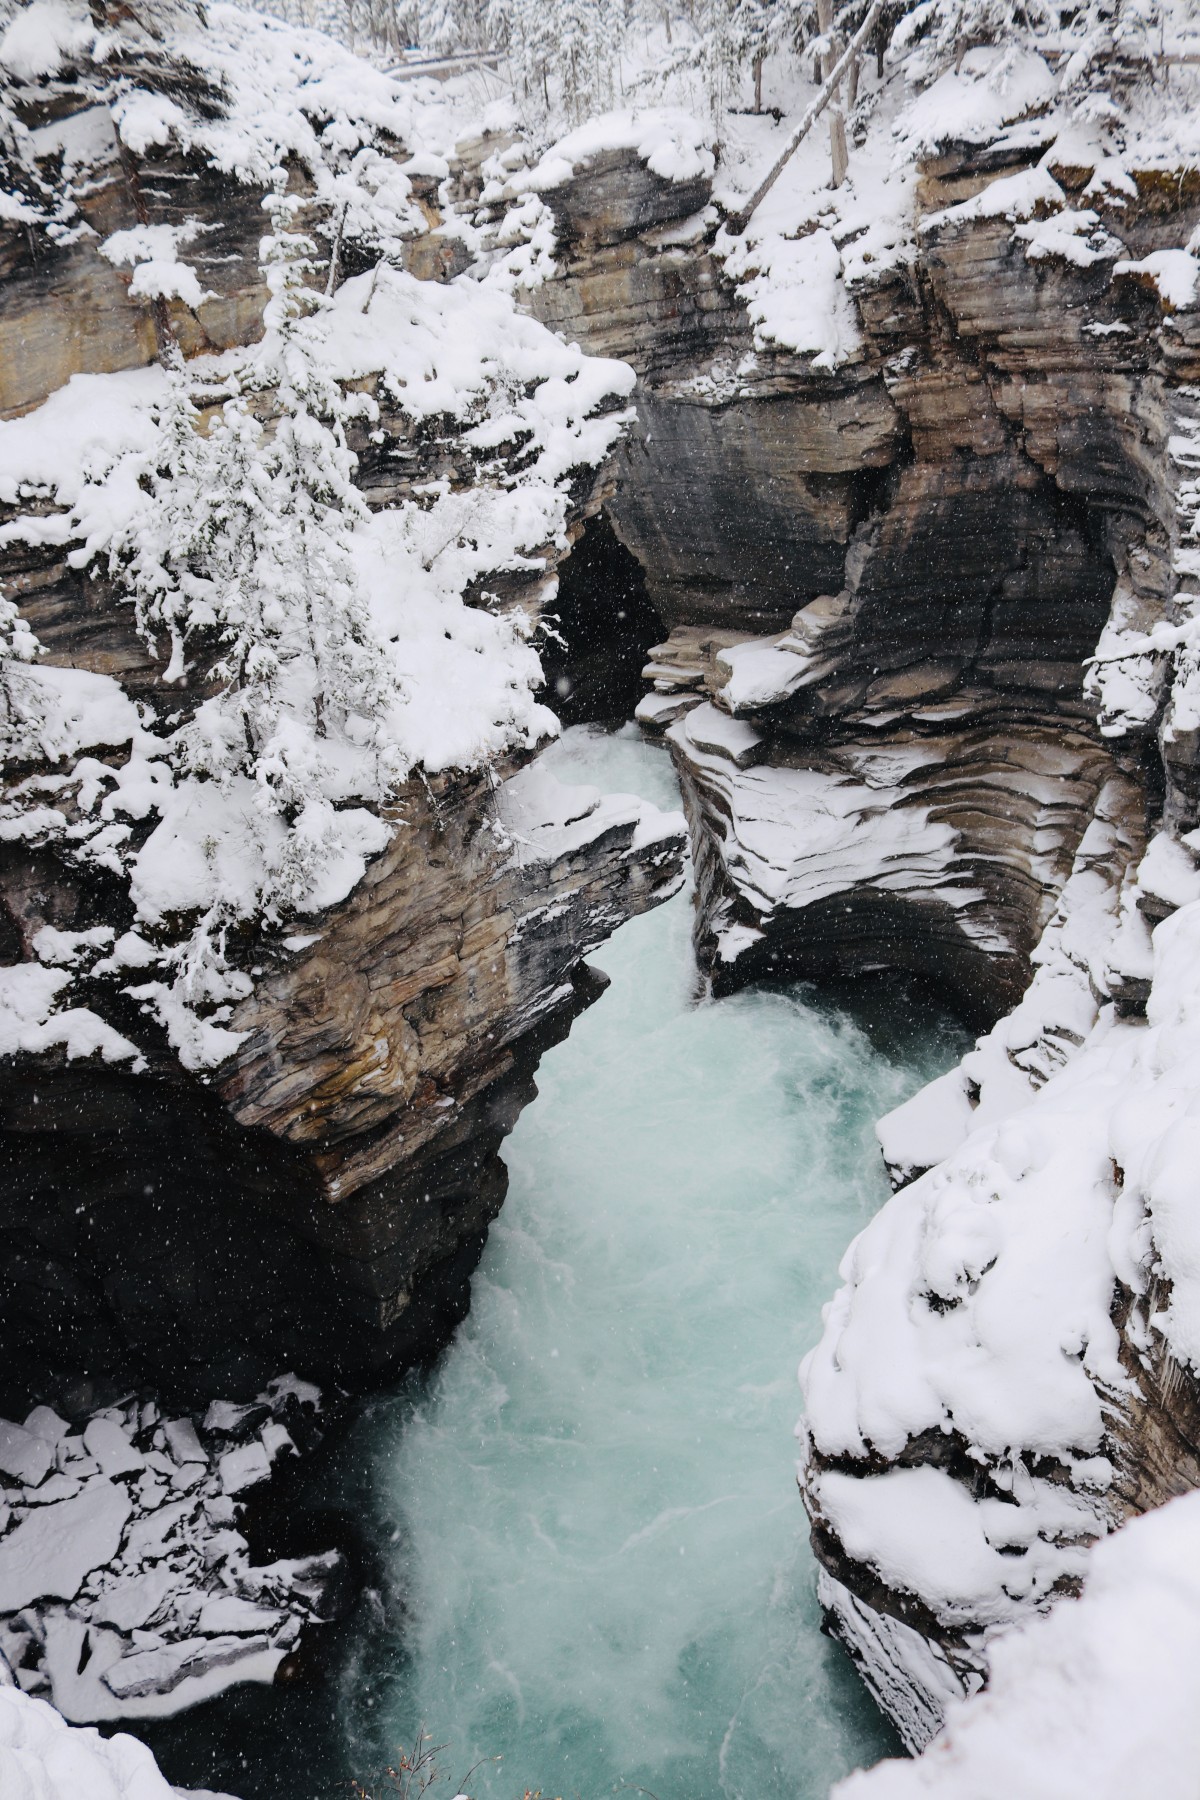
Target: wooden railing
{"x":441,"y":68}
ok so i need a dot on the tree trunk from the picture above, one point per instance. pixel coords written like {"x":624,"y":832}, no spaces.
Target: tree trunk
{"x":837,"y":119}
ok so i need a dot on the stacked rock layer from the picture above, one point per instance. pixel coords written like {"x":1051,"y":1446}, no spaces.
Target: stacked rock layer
{"x":319,"y":1198}
{"x":886,"y":575}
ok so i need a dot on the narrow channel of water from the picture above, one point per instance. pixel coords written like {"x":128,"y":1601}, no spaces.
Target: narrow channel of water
{"x":603,"y":1552}
{"x":595,"y":1553}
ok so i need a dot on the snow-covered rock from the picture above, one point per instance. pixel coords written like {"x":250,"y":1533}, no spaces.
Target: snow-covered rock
{"x":941,"y":852}
{"x":1011,"y":1367}
{"x":1101,"y":1698}
{"x":44,"y":1758}
{"x":48,"y":1555}
{"x":881,"y":488}
{"x":134,"y":1594}
{"x":314,"y":942}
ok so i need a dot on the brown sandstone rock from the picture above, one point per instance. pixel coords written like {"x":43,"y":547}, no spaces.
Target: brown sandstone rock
{"x":321,"y":1198}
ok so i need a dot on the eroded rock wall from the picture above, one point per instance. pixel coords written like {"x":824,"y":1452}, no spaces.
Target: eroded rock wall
{"x":886,"y":580}
{"x":324,"y":1197}
{"x":320,"y":1197}
{"x":892,"y":570}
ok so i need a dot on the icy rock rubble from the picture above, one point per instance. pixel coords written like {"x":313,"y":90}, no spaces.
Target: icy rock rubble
{"x":44,"y":1758}
{"x":1100,"y":1698}
{"x":126,"y":1589}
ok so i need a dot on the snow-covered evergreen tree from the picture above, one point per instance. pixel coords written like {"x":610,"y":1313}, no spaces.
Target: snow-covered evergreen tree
{"x":565,"y":52}
{"x":245,"y":561}
{"x":1087,"y":38}
{"x":525,"y":29}
{"x":388,"y":27}
{"x":730,"y":36}
{"x":19,"y":717}
{"x":725,"y":45}
{"x":439,"y":27}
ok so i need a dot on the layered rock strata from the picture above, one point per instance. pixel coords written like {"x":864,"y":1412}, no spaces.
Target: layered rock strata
{"x":324,"y":1197}
{"x":317,"y":1196}
{"x":936,"y":530}
{"x":924,"y":760}
{"x":1055,"y":1135}
{"x":887,"y":568}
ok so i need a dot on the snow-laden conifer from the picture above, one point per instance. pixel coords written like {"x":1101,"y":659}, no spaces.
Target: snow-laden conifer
{"x":20,"y":733}
{"x":244,"y":562}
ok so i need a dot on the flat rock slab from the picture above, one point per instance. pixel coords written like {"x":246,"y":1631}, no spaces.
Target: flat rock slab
{"x":109,"y":1443}
{"x":50,"y":1553}
{"x":161,"y":1671}
{"x":23,"y":1454}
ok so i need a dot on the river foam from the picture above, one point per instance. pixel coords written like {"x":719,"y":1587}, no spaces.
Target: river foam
{"x":603,"y":1557}
{"x":593,"y":1561}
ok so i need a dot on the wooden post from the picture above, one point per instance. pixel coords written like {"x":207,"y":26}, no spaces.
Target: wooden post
{"x":837,"y":118}
{"x":759,"y":59}
{"x":839,"y":155}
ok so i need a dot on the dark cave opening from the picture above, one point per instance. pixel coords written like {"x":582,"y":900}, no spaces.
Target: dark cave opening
{"x":605,"y":627}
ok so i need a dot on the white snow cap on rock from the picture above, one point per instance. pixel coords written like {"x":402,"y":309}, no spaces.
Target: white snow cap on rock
{"x":41,"y":37}
{"x":44,"y":1758}
{"x":979,"y":1301}
{"x":1102,"y":1698}
{"x":457,"y":681}
{"x":673,"y":145}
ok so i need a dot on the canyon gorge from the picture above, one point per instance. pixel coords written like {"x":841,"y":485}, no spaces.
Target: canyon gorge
{"x":878,"y":512}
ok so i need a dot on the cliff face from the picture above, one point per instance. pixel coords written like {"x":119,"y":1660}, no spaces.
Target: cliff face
{"x":890,"y":573}
{"x":317,"y":1190}
{"x":323,"y":1197}
{"x":883,"y":535}
{"x":886,"y":568}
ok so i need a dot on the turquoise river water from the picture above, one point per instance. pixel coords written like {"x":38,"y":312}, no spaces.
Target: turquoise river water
{"x":595,"y":1563}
